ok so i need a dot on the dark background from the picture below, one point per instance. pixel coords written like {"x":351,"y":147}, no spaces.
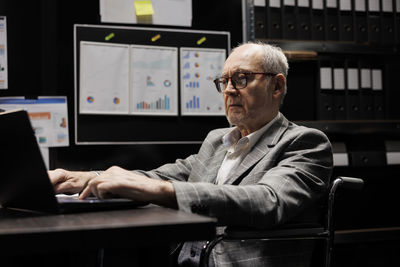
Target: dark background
{"x":40,"y":62}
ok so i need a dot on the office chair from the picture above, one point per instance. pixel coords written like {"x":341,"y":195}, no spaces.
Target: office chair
{"x":320,"y":231}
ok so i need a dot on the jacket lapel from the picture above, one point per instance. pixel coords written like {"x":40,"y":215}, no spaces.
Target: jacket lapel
{"x":261,"y":148}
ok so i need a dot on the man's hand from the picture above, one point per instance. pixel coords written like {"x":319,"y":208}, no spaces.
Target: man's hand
{"x":119,"y":182}
{"x":69,"y":182}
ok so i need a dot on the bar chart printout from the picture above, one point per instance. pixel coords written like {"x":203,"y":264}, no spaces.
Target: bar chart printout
{"x":199,"y":67}
{"x":154,"y":86}
{"x":160,"y":104}
{"x":193,"y":103}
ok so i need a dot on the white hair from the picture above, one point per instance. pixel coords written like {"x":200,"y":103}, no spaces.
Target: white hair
{"x":274,"y":60}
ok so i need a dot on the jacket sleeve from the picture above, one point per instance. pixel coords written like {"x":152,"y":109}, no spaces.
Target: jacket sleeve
{"x":178,"y":171}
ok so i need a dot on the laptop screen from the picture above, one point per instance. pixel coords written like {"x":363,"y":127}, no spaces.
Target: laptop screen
{"x":24,"y":181}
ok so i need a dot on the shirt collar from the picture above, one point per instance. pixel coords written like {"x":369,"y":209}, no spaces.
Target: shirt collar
{"x":234,"y":137}
{"x":255,"y":136}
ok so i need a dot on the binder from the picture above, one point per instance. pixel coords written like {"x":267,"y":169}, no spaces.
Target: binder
{"x":346,"y":20}
{"x":378,"y":94}
{"x":392,"y":93}
{"x":305,"y":83}
{"x":325,"y":109}
{"x":352,"y":90}
{"x":388,"y":22}
{"x":374,"y":21}
{"x":361,"y":18}
{"x":318,"y":20}
{"x":339,"y":104}
{"x":303,"y":20}
{"x":332,"y":20}
{"x":289,"y":20}
{"x":397,"y":15}
{"x":366,"y":92}
{"x":274,"y":19}
{"x":371,"y":152}
{"x":392,"y":152}
{"x":259,"y":22}
{"x":340,"y":156}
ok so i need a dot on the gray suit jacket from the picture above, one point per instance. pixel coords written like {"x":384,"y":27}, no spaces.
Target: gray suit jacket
{"x":279,"y":181}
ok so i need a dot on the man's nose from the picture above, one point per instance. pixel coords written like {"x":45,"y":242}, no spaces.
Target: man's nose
{"x":230,"y":87}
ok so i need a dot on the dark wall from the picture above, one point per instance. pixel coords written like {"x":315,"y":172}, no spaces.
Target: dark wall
{"x":24,"y":47}
{"x":40,"y":58}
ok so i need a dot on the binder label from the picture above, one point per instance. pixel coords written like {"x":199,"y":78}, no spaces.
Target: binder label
{"x":345,"y":5}
{"x":340,"y":156}
{"x":360,"y":5}
{"x":352,"y":79}
{"x":317,"y":4}
{"x":303,"y":3}
{"x":325,"y":78}
{"x":338,"y":79}
{"x":387,"y":6}
{"x":288,"y":2}
{"x":365,"y":78}
{"x":340,"y":159}
{"x":373,"y":6}
{"x":377,"y":79}
{"x":331,"y":4}
{"x":259,"y":2}
{"x":274,"y":3}
{"x":393,"y":158}
{"x":392,"y":152}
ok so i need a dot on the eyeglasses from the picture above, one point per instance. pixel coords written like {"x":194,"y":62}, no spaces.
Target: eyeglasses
{"x":238,"y":80}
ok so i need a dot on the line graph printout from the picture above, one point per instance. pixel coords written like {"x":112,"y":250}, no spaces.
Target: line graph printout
{"x":154,"y":85}
{"x":104,"y":78}
{"x":199,"y":67}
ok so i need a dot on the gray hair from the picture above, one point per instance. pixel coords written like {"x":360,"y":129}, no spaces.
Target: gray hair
{"x":274,"y":60}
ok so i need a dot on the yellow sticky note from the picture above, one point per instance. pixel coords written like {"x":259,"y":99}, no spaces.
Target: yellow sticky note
{"x":144,"y":8}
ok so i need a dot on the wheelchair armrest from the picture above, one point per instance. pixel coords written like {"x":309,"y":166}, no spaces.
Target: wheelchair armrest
{"x":351,"y":182}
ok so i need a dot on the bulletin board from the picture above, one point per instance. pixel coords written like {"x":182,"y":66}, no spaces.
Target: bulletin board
{"x":138,"y":85}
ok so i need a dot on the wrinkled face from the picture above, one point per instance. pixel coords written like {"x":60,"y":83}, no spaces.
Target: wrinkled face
{"x":255,"y":105}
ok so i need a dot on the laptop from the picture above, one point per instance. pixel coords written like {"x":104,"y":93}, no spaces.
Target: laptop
{"x":24,"y":181}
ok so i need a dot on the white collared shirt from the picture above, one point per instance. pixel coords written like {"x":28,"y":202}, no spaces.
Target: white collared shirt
{"x":238,"y":149}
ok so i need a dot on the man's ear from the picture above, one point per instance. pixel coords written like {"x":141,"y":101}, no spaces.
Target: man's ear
{"x":280,"y":84}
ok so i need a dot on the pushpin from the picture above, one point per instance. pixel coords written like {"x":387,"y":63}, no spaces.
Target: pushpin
{"x":201,"y":40}
{"x":156,"y":37}
{"x":109,"y":37}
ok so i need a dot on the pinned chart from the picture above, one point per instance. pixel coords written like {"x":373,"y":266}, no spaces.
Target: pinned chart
{"x":3,"y":54}
{"x":48,"y":116}
{"x":154,"y":86}
{"x":104,"y":78}
{"x":199,"y":67}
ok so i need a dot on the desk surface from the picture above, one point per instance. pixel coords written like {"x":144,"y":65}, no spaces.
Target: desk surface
{"x":119,"y":228}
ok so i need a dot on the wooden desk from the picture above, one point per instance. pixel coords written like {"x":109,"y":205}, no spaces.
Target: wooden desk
{"x":106,"y":229}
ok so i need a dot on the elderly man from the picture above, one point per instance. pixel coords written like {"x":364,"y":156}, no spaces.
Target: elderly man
{"x":263,"y":172}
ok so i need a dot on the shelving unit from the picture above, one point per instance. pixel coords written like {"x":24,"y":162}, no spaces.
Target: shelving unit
{"x":362,"y":139}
